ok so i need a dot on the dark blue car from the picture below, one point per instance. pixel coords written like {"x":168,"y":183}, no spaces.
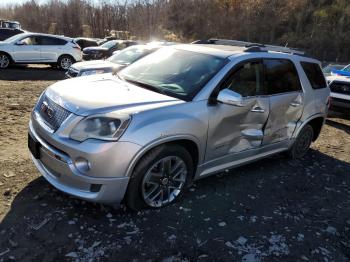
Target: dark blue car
{"x":342,"y":72}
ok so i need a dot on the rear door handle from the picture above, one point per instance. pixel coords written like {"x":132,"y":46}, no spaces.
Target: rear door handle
{"x":258,"y":109}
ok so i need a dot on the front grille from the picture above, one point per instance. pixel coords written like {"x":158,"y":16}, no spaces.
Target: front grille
{"x":340,"y":87}
{"x":335,"y":99}
{"x":52,"y":113}
{"x":72,"y":72}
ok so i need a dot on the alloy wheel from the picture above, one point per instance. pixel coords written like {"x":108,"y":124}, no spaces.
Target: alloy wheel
{"x":66,"y":62}
{"x":164,"y":181}
{"x":4,"y":61}
{"x":304,"y":142}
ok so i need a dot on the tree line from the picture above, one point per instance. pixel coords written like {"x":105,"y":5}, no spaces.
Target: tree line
{"x":321,"y":27}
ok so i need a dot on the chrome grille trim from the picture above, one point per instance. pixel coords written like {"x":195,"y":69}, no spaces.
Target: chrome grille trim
{"x":59,"y":114}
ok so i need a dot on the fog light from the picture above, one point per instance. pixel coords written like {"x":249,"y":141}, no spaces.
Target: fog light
{"x":82,"y":164}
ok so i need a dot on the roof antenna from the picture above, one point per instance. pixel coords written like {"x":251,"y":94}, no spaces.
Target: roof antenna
{"x":286,"y":45}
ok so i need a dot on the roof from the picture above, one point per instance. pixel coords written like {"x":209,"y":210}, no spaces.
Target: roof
{"x":222,"y":51}
{"x":41,"y":34}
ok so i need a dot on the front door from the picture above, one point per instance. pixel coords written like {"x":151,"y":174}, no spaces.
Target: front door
{"x":27,"y":50}
{"x":286,"y":99}
{"x":233,"y":129}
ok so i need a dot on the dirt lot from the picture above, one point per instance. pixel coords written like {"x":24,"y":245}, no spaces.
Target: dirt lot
{"x":273,"y":210}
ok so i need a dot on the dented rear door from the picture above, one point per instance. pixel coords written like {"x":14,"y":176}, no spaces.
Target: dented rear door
{"x":286,"y":99}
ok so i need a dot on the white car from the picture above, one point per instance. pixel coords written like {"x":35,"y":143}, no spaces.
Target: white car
{"x":34,"y":48}
{"x":340,"y":91}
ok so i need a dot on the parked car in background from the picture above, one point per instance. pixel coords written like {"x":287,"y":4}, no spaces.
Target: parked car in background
{"x":6,"y":33}
{"x":340,"y":91}
{"x":34,"y":48}
{"x":179,"y":114}
{"x":345,"y":71}
{"x":114,"y":63}
{"x":327,"y":70}
{"x":88,"y":42}
{"x":9,"y":24}
{"x":106,"y":50}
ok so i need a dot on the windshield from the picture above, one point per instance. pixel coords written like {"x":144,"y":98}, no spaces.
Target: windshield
{"x":129,"y":55}
{"x":346,"y":69}
{"x":14,"y":38}
{"x":177,"y":73}
{"x":109,"y":44}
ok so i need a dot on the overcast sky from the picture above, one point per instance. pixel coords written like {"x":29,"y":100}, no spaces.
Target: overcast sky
{"x":7,"y":2}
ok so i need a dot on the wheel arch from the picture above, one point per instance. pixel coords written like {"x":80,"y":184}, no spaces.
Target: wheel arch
{"x":6,"y":53}
{"x":190,"y":143}
{"x":58,"y":59}
{"x":316,"y":122}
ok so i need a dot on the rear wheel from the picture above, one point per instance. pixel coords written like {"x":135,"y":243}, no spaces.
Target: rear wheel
{"x":65,"y":61}
{"x":5,"y":60}
{"x":160,"y":177}
{"x":302,"y":142}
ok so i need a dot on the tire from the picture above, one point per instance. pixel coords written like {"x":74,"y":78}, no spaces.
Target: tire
{"x":64,"y":62}
{"x":5,"y":60}
{"x":172,"y":169}
{"x":302,"y":143}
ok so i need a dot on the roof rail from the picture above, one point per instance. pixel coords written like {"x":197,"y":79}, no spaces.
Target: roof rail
{"x":256,"y":47}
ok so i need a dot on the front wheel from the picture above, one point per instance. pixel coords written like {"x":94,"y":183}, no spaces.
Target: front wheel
{"x":65,"y":61}
{"x":160,"y":177}
{"x":5,"y":61}
{"x":302,"y":143}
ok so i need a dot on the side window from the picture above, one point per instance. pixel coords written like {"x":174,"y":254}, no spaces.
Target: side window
{"x":46,"y":40}
{"x":314,"y":74}
{"x":281,"y":76}
{"x":31,"y":40}
{"x":247,"y":79}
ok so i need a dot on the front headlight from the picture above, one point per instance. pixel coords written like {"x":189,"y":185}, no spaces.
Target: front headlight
{"x":104,"y":127}
{"x":92,"y":72}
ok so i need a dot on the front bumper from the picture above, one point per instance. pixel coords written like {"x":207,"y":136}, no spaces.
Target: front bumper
{"x":340,"y":101}
{"x":107,"y":183}
{"x":95,"y":56}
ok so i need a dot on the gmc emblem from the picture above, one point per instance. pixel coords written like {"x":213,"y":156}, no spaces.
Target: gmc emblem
{"x":46,"y":109}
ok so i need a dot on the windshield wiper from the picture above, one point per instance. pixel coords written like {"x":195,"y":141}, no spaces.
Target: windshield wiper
{"x":146,"y":86}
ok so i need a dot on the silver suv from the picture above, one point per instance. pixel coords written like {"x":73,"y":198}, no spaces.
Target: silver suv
{"x":180,"y":114}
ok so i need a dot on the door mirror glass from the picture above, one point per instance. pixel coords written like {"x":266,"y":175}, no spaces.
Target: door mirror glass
{"x":229,"y":97}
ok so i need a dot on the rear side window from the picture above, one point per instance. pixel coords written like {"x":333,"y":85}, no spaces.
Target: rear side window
{"x":314,"y":74}
{"x":45,"y":40}
{"x":281,"y":76}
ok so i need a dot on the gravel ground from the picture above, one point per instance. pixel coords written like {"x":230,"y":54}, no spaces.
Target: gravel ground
{"x":272,"y":210}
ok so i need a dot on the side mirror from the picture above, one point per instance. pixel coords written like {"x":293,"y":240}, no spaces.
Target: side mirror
{"x":228,"y":97}
{"x":19,"y":43}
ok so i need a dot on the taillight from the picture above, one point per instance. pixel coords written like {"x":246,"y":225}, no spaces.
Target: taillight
{"x":77,"y":47}
{"x":329,"y":100}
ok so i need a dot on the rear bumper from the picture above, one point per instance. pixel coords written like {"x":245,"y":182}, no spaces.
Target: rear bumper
{"x":59,"y":169}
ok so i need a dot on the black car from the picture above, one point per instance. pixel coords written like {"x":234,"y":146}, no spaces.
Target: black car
{"x":84,"y":42}
{"x":105,"y":50}
{"x":8,"y":32}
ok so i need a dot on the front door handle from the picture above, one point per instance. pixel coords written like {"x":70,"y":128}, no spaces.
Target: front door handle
{"x":295,"y":104}
{"x":258,"y":109}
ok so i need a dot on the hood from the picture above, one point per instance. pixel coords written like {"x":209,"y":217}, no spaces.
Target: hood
{"x":105,"y":93}
{"x":92,"y":49}
{"x":337,"y":78}
{"x":93,"y":64}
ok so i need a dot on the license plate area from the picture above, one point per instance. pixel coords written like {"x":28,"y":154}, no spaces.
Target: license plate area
{"x":34,"y":146}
